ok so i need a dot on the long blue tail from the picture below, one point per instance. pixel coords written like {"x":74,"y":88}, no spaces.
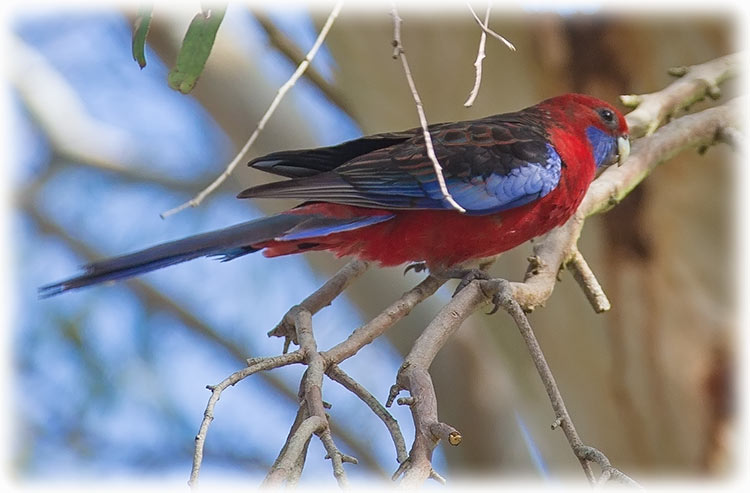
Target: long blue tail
{"x":228,"y":243}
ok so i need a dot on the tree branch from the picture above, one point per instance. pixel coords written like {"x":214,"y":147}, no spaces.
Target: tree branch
{"x":588,"y":282}
{"x":195,"y":201}
{"x":480,"y":57}
{"x":487,"y":30}
{"x":312,"y":390}
{"x":337,"y":374}
{"x":321,"y":298}
{"x":695,"y":83}
{"x":384,"y":320}
{"x":414,"y":377}
{"x":287,"y":466}
{"x":290,"y":50}
{"x":254,"y":366}
{"x":562,"y":418}
{"x":398,"y":52}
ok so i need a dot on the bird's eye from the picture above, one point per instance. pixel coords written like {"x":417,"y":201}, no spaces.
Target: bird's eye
{"x":608,"y":116}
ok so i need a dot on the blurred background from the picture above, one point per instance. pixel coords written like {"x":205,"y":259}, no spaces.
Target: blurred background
{"x":109,"y":382}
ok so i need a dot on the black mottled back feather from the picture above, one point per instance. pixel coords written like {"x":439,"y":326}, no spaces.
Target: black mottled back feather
{"x":393,"y":170}
{"x":309,"y":162}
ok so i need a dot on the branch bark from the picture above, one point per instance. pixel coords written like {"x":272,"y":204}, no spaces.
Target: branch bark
{"x":398,"y":52}
{"x":695,"y":83}
{"x":254,"y":366}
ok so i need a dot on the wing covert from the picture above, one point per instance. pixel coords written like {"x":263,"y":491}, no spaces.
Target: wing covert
{"x":488,"y":167}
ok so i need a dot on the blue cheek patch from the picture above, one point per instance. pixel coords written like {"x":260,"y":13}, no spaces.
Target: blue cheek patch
{"x":603,"y":145}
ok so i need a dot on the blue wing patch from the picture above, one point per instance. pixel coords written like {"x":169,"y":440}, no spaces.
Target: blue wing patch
{"x":482,"y":182}
{"x":496,"y":192}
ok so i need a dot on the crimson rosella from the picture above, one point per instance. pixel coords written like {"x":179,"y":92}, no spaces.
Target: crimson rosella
{"x":377,"y":198}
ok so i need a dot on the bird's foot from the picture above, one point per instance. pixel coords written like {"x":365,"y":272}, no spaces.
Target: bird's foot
{"x":465,"y":276}
{"x":416,"y":267}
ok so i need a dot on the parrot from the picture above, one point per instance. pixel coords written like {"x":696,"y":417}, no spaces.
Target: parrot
{"x":378,"y":198}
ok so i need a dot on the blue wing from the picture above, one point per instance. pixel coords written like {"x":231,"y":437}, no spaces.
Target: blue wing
{"x":489,"y":165}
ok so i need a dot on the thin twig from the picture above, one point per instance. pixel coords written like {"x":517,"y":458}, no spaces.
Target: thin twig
{"x":588,"y":282}
{"x":608,"y":471}
{"x":195,"y":201}
{"x":321,"y":298}
{"x":480,"y":57}
{"x":335,"y":373}
{"x":489,"y":31}
{"x":510,"y":305}
{"x":414,"y":377}
{"x":696,"y":82}
{"x":384,"y":320}
{"x":290,"y":50}
{"x":398,"y":52}
{"x":216,"y":390}
{"x":501,"y":292}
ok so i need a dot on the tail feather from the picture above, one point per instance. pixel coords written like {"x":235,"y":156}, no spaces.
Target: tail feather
{"x":230,"y":243}
{"x":297,"y":227}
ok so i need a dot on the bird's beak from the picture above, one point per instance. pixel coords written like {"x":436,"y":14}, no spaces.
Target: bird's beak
{"x":623,"y":149}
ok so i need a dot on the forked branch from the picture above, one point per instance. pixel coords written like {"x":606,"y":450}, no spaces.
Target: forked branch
{"x":557,"y":248}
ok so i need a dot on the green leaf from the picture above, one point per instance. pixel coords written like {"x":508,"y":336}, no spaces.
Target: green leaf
{"x":140,"y":31}
{"x":199,"y":39}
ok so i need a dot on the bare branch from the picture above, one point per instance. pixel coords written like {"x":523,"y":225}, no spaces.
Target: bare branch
{"x":321,"y":298}
{"x":69,"y":126}
{"x":608,"y":472}
{"x":384,"y":320}
{"x":584,"y":453}
{"x":489,"y":31}
{"x":588,"y":282}
{"x":195,"y":201}
{"x":335,"y":373}
{"x":480,"y":56}
{"x":312,"y":389}
{"x":398,"y":52}
{"x":414,"y":377}
{"x":295,"y":448}
{"x":257,"y":365}
{"x":290,"y":50}
{"x":291,"y":474}
{"x":558,"y":405}
{"x":60,"y":111}
{"x":734,"y":138}
{"x":696,"y":82}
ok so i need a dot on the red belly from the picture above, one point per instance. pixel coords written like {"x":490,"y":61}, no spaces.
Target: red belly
{"x":439,"y":238}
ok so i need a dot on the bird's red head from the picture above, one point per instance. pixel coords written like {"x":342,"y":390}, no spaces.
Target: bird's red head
{"x":604,"y":126}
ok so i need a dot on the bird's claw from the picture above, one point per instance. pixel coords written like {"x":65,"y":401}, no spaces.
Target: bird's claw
{"x":466,"y":276}
{"x":416,"y":267}
{"x":497,"y":303}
